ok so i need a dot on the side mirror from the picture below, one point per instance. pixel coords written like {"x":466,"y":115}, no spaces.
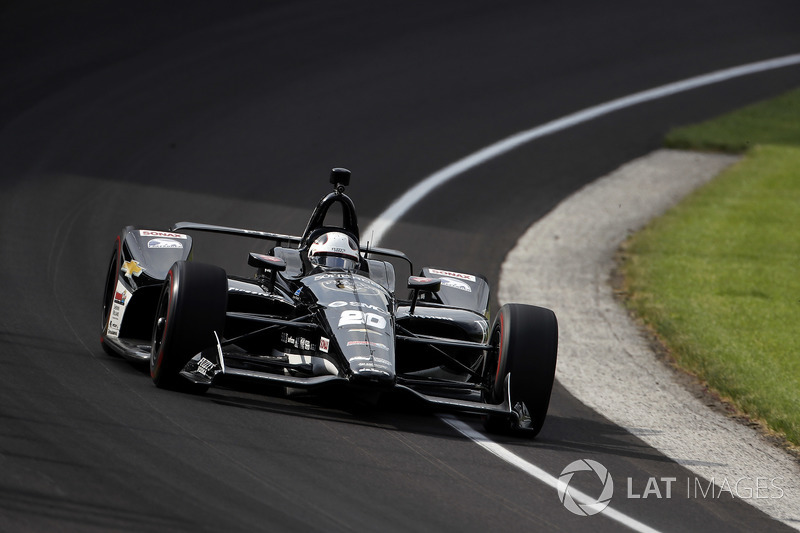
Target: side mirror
{"x":267,"y":262}
{"x":264,"y":263}
{"x":419,"y":284}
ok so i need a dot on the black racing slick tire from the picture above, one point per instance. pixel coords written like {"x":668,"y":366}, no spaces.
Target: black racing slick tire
{"x":526,"y":342}
{"x":190,"y":310}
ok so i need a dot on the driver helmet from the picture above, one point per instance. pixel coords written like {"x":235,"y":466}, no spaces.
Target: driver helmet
{"x":334,"y":250}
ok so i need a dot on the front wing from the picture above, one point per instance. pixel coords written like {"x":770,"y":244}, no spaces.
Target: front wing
{"x":208,"y":366}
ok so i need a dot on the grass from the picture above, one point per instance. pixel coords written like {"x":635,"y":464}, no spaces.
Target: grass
{"x":775,"y":121}
{"x":718,"y":277}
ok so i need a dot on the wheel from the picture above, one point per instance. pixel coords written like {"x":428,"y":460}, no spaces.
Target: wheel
{"x":526,"y":341}
{"x":191,"y":308}
{"x":108,"y":298}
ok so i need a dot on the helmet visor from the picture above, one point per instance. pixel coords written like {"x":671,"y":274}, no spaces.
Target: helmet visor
{"x":334,"y":261}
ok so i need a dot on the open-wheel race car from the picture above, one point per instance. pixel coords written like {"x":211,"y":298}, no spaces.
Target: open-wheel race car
{"x":320,"y":310}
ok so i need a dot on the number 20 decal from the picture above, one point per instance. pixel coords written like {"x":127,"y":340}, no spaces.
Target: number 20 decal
{"x":357,"y":318}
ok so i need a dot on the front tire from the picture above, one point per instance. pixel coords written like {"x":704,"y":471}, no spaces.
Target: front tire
{"x":526,"y":341}
{"x":191,"y":308}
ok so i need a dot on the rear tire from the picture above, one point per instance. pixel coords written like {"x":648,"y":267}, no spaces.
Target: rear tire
{"x":191,"y":308}
{"x":526,"y":338}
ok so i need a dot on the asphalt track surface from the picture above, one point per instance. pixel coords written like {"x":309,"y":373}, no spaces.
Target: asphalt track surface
{"x":145,"y":114}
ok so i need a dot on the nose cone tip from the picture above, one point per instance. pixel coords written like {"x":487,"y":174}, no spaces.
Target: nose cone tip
{"x":373,"y":376}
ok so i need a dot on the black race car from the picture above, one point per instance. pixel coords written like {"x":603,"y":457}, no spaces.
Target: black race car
{"x":322,"y":311}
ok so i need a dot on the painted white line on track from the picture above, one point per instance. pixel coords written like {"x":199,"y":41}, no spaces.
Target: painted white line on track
{"x":388,"y":218}
{"x":529,"y":468}
{"x":402,"y":205}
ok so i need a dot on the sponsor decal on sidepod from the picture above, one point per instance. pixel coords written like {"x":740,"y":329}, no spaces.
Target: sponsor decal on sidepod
{"x":449,"y":274}
{"x":456,"y":284}
{"x":164,"y":243}
{"x":156,"y":233}
{"x":121,"y":298}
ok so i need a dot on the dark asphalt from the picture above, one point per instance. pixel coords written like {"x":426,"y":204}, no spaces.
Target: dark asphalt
{"x":148,"y":114}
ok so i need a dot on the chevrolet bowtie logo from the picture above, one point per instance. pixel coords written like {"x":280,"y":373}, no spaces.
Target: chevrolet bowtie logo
{"x":132,"y":268}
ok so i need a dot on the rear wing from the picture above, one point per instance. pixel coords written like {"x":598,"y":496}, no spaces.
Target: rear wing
{"x":277,"y":237}
{"x":280,"y":238}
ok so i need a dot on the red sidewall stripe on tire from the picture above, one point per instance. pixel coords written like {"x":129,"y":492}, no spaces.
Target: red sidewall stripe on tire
{"x":499,"y":348}
{"x":171,"y":281}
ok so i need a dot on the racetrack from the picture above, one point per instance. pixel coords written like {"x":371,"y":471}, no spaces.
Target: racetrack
{"x":150,"y":115}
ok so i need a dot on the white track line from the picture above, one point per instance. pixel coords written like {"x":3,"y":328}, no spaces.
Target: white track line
{"x":529,"y":468}
{"x":384,"y":222}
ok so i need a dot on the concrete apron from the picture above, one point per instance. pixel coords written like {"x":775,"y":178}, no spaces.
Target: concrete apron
{"x":565,"y":261}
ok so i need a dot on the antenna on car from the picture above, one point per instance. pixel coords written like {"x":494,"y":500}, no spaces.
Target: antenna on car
{"x":340,"y":178}
{"x":370,"y":241}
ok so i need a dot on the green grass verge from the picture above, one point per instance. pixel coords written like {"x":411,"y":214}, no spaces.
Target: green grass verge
{"x":718,"y":277}
{"x":774,"y":121}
